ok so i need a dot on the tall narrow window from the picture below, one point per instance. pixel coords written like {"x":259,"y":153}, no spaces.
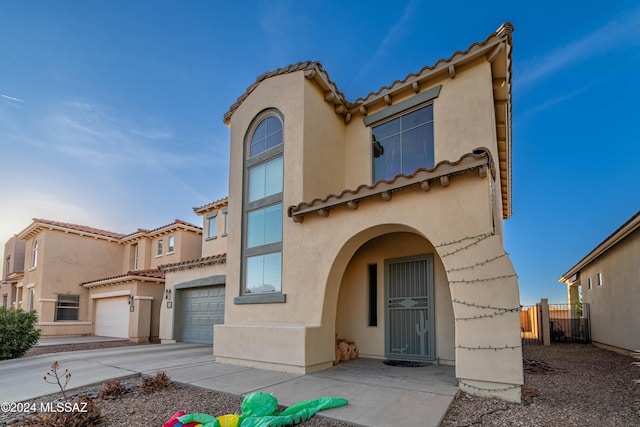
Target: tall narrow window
{"x":262,"y":239}
{"x":159,"y":250}
{"x":134,"y":256}
{"x":225,"y":211}
{"x":372,"y":297}
{"x":211,"y":225}
{"x":590,"y":282}
{"x":172,"y":244}
{"x":600,"y":280}
{"x":32,"y":296}
{"x":34,"y":254}
{"x":403,"y":144}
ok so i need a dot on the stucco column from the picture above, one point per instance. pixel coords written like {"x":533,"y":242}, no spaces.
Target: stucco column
{"x":486,"y":305}
{"x":140,"y":320}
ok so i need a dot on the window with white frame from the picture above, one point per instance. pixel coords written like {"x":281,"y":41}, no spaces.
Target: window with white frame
{"x":172,"y":242}
{"x":34,"y":254}
{"x":32,"y":296}
{"x":590,"y":282}
{"x":599,"y":279}
{"x":67,"y":307}
{"x":211,"y":225}
{"x":403,"y":143}
{"x":262,"y":230}
{"x":159,"y":250}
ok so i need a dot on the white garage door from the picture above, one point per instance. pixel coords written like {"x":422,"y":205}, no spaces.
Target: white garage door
{"x":201,"y":308}
{"x":112,"y":317}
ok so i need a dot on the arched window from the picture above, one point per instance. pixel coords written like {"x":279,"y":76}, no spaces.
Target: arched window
{"x":262,"y":219}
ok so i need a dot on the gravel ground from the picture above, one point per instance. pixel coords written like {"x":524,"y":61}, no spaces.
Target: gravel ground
{"x":565,"y":385}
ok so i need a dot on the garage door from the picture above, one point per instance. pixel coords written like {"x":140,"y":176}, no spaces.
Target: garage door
{"x":112,"y":317}
{"x":201,"y":308}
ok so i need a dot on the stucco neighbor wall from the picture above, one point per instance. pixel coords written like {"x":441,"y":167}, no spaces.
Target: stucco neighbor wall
{"x":614,"y":304}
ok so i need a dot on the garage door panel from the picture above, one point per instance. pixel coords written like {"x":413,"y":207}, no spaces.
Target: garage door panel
{"x":112,"y":317}
{"x":201,"y":309}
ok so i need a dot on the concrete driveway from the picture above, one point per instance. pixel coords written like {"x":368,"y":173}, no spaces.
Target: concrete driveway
{"x":378,"y":395}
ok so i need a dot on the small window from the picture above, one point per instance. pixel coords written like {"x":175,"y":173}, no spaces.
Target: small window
{"x":211,"y":225}
{"x":5,"y":300}
{"x":373,"y":295}
{"x":159,"y":252}
{"x":590,"y":283}
{"x":34,"y":254}
{"x":226,"y":222}
{"x":67,"y":307}
{"x":600,"y":280}
{"x":171,"y":243}
{"x":134,"y":256}
{"x":32,"y":296}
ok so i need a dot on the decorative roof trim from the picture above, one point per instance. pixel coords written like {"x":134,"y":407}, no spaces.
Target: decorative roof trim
{"x":153,"y":275}
{"x":177,"y":224}
{"x":312,"y":71}
{"x":195,"y":263}
{"x":39,"y":225}
{"x":623,"y":231}
{"x":211,"y":206}
{"x":479,"y":159}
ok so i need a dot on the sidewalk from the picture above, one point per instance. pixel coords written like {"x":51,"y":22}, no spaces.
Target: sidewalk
{"x":378,"y":395}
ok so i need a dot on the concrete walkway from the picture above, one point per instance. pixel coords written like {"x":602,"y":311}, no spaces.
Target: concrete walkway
{"x":378,"y":395}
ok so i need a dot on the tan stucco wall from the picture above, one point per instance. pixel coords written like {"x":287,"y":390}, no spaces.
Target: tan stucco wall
{"x":351,"y":317}
{"x":614,"y":305}
{"x":187,"y":245}
{"x":298,"y":336}
{"x":173,"y":278}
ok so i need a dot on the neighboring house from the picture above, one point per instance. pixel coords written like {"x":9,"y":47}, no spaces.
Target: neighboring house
{"x":378,"y":220}
{"x":608,"y":279}
{"x":12,"y":272}
{"x":82,"y":280}
{"x":195,"y":288}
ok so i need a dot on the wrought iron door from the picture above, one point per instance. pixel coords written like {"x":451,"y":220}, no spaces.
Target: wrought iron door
{"x":409,"y":308}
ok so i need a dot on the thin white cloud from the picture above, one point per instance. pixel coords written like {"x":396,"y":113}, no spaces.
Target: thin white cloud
{"x":393,"y":36}
{"x":612,"y":35}
{"x":555,"y":100}
{"x":11,"y":98}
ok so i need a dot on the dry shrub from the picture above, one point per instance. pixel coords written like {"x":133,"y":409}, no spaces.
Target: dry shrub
{"x":112,"y":390}
{"x":159,"y":381}
{"x":82,"y":412}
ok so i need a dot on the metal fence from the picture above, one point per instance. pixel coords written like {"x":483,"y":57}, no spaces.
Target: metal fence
{"x":546,"y":323}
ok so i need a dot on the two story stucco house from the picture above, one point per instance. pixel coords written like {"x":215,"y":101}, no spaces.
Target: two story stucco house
{"x":82,"y":280}
{"x":195,"y":288}
{"x":608,"y":279}
{"x":379,"y":220}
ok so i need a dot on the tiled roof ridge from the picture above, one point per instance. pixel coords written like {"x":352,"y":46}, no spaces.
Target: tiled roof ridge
{"x":175,"y":222}
{"x":477,"y":153}
{"x":211,"y":259}
{"x":298,"y":66}
{"x":152,"y":272}
{"x":79,"y":227}
{"x":505,"y":30}
{"x":213,"y":204}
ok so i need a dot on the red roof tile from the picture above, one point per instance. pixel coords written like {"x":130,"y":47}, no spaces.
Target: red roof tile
{"x":213,"y":259}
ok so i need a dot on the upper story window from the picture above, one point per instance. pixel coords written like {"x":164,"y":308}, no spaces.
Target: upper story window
{"x":211,"y":225}
{"x":159,"y":250}
{"x":134,"y":256}
{"x":7,"y":267}
{"x":172,"y":244}
{"x":403,"y":144}
{"x":34,"y":254}
{"x":262,"y":219}
{"x":599,"y":279}
{"x":225,"y":212}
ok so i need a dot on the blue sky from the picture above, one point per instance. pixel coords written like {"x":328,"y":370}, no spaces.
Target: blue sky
{"x":111,"y":112}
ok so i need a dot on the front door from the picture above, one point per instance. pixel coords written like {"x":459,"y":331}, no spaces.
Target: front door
{"x":409,"y":308}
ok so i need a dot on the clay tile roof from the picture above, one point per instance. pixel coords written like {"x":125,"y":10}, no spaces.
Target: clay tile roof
{"x":152,"y":273}
{"x":38,"y":223}
{"x":480,"y":158}
{"x":312,"y":68}
{"x":211,"y":206}
{"x":213,"y":259}
{"x":163,"y":227}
